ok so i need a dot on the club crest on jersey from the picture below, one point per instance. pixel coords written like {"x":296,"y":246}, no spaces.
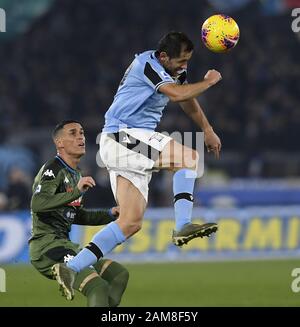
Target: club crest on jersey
{"x":165,"y":74}
{"x":69,"y":189}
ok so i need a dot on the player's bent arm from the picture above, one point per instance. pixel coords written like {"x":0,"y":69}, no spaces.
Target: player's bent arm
{"x":178,"y":93}
{"x":94,"y":217}
{"x":193,"y":109}
{"x":45,"y":199}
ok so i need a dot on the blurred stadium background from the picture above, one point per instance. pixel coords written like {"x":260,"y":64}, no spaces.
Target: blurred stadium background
{"x":64,"y":59}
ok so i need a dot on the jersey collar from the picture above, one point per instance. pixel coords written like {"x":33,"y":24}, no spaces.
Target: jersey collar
{"x":154,"y":55}
{"x":73,"y":171}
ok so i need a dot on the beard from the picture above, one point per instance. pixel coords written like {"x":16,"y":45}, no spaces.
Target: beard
{"x":174,"y":73}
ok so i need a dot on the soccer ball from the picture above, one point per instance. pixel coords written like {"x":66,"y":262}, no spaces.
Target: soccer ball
{"x":220,"y":33}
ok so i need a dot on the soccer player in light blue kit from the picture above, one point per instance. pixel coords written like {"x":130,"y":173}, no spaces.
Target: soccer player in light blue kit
{"x":131,"y":149}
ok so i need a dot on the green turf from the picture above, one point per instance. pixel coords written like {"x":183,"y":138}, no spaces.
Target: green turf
{"x":243,"y":283}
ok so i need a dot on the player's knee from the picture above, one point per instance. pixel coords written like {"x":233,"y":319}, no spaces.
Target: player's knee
{"x":134,"y":227}
{"x":129,"y":224}
{"x":122,"y":279}
{"x":93,"y":287}
{"x":196,"y":157}
{"x":123,"y":276}
{"x":97,"y":293}
{"x":190,"y":158}
{"x":118,"y":287}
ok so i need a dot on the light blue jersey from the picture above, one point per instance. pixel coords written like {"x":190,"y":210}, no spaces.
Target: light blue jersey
{"x":138,"y":102}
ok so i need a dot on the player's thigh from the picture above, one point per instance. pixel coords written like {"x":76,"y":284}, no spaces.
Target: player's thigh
{"x":131,"y":201}
{"x":60,"y":251}
{"x":43,"y":265}
{"x":175,"y":156}
{"x":129,"y":196}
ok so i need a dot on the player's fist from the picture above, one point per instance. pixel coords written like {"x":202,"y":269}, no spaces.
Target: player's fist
{"x":212,"y":77}
{"x":85,"y":183}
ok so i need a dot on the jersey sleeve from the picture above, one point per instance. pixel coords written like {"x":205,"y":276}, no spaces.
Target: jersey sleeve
{"x":93,"y":217}
{"x":45,"y":196}
{"x":155,"y":76}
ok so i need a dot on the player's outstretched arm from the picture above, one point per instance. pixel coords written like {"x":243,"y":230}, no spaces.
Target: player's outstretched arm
{"x":178,"y":93}
{"x":96,"y":217}
{"x":45,"y":199}
{"x":193,"y":109}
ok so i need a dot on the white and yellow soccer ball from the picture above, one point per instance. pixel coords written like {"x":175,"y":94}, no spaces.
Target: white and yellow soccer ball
{"x":220,"y":33}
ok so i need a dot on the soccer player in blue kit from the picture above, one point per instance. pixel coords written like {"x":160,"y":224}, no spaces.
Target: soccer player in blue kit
{"x":131,"y":149}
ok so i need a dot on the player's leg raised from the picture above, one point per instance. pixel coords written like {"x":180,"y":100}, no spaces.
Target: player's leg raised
{"x":184,"y":161}
{"x":116,"y":276}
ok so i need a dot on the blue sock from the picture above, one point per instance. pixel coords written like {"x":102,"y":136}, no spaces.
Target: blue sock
{"x":183,"y":188}
{"x":102,"y":243}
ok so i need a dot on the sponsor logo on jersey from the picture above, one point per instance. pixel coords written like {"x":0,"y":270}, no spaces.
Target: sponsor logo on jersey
{"x":49,"y":173}
{"x":75,"y":203}
{"x":70,"y":215}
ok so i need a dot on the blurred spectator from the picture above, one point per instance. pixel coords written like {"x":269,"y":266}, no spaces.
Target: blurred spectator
{"x":70,"y":62}
{"x":3,"y":201}
{"x":100,"y":196}
{"x":18,"y":190}
{"x":64,"y":67}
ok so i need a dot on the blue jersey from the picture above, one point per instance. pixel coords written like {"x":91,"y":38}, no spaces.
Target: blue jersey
{"x":138,"y":102}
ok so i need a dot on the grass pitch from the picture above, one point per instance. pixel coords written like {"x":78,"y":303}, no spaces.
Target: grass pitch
{"x":241,"y":283}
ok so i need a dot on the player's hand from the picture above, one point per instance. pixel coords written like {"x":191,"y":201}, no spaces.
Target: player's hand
{"x":212,"y":77}
{"x":85,"y":183}
{"x":115,"y":211}
{"x":212,"y":142}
